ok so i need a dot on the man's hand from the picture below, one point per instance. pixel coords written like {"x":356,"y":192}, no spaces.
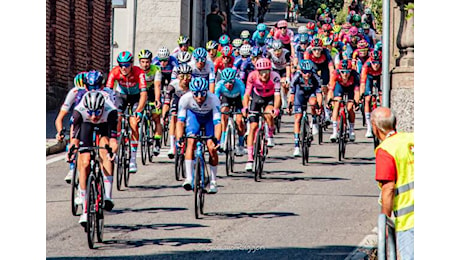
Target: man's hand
{"x":138,"y":117}
{"x":275,"y":112}
{"x":60,"y":136}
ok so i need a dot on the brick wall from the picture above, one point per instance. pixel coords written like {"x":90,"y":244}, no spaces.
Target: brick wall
{"x":77,"y":39}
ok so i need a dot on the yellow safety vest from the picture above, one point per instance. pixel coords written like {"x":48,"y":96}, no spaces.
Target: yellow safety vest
{"x":401,"y":147}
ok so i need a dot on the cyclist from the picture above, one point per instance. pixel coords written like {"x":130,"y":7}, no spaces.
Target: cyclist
{"x":370,"y":34}
{"x":166,"y":63}
{"x":153,"y":79}
{"x":285,"y":35}
{"x":199,"y":108}
{"x":96,"y":109}
{"x":236,"y":43}
{"x":245,"y":36}
{"x":225,"y":61}
{"x":184,"y":45}
{"x":304,"y":87}
{"x":300,"y":49}
{"x":182,"y":57}
{"x":360,"y":55}
{"x":263,"y":87}
{"x":224,"y":40}
{"x":368,"y":18}
{"x":175,"y":90}
{"x":248,"y":65}
{"x":211,"y":47}
{"x":231,"y":90}
{"x":259,"y":36}
{"x":132,"y":89}
{"x":302,"y":30}
{"x":281,"y":63}
{"x":344,"y":80}
{"x":371,"y":72}
{"x":70,"y":100}
{"x":202,"y":67}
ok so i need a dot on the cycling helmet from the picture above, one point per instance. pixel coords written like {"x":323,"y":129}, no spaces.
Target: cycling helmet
{"x":353,"y":31}
{"x":351,"y":13}
{"x":356,"y":18}
{"x":224,"y":39}
{"x":365,"y":26}
{"x":311,"y":26}
{"x":345,"y":64}
{"x":245,"y":50}
{"x":269,"y":42}
{"x":316,"y":42}
{"x":277,"y":45}
{"x":326,"y":27}
{"x":93,"y":100}
{"x":78,"y":80}
{"x":184,"y":57}
{"x":323,"y":6}
{"x":93,"y":80}
{"x":376,"y":55}
{"x":326,"y":10}
{"x":363,"y":44}
{"x":368,"y":11}
{"x":183,"y":39}
{"x":303,"y":39}
{"x":306,"y":66}
{"x":163,"y":53}
{"x":282,"y":23}
{"x":245,"y":34}
{"x":198,"y":84}
{"x":228,"y":74}
{"x":327,"y":41}
{"x":336,"y":28}
{"x":145,"y":54}
{"x":125,"y":56}
{"x":226,"y":51}
{"x":200,"y":53}
{"x":184,"y":68}
{"x":237,"y":42}
{"x":378,"y":45}
{"x":211,"y":45}
{"x":346,"y":26}
{"x":302,"y":29}
{"x":263,"y":64}
{"x":261,"y":27}
{"x":256,"y":51}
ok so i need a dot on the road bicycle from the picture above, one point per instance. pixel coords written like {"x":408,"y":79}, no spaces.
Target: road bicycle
{"x":124,"y":149}
{"x":306,"y":136}
{"x":146,"y":133}
{"x":260,"y":147}
{"x":229,"y":145}
{"x":179,"y":161}
{"x":200,"y":176}
{"x":343,"y":126}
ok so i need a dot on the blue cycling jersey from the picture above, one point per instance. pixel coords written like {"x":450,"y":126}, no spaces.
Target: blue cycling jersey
{"x":237,"y":90}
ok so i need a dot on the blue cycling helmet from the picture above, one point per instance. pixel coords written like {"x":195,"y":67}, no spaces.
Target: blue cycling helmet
{"x":200,"y":53}
{"x":303,"y":39}
{"x":228,"y":74}
{"x":261,"y":27}
{"x":268,"y":42}
{"x":93,"y":80}
{"x":125,"y":56}
{"x":256,"y":51}
{"x":198,"y":84}
{"x":224,"y":39}
{"x":306,"y":66}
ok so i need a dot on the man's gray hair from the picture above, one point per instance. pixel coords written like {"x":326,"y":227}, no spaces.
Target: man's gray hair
{"x":384,"y":119}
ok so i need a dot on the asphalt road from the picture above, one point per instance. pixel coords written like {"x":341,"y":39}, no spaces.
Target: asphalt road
{"x":319,"y":211}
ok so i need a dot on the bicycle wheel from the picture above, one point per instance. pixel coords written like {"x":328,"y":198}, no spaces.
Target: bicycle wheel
{"x":120,"y":162}
{"x":197,"y":188}
{"x":257,"y":157}
{"x":304,"y":134}
{"x":228,"y":149}
{"x":177,"y":164}
{"x":341,"y":136}
{"x":100,"y":208}
{"x":233,"y":154}
{"x":205,"y":184}
{"x":127,"y":159}
{"x":166,"y":134}
{"x":74,"y":183}
{"x":143,"y":139}
{"x":151,"y":140}
{"x":91,"y":194}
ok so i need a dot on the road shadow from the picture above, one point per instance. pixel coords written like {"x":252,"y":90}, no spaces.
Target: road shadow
{"x":266,"y":178}
{"x":206,"y":250}
{"x":154,"y":187}
{"x":239,"y":215}
{"x":165,"y":226}
{"x":144,"y":210}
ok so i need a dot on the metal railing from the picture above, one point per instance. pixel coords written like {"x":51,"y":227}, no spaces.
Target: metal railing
{"x":386,"y":244}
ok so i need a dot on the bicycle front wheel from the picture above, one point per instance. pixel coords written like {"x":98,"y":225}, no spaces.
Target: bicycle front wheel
{"x":341,"y":135}
{"x":126,"y":161}
{"x":304,"y":134}
{"x":257,"y":155}
{"x":177,"y":164}
{"x":91,"y":196}
{"x":197,"y":188}
{"x":75,"y":183}
{"x":143,"y":139}
{"x":100,"y":208}
{"x":120,"y":162}
{"x":228,"y":149}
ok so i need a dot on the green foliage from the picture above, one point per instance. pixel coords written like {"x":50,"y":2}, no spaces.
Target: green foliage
{"x":407,"y":8}
{"x":377,"y":11}
{"x":311,"y":6}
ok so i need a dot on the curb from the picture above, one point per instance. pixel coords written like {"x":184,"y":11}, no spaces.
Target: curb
{"x":55,"y":148}
{"x":367,"y":249}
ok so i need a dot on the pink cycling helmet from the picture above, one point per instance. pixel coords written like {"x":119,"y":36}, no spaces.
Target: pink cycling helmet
{"x":282,"y":23}
{"x":263,"y":64}
{"x":353,"y":31}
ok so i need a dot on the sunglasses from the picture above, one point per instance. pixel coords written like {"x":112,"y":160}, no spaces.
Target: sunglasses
{"x":124,"y":64}
{"x":305,"y":72}
{"x":95,"y":112}
{"x":376,"y":62}
{"x":283,"y":27}
{"x":182,"y":45}
{"x":185,"y":76}
{"x":202,"y":93}
{"x":231,"y":81}
{"x":163,"y":60}
{"x":317,"y":49}
{"x":264,"y":71}
{"x":94,"y":87}
{"x":201,"y":60}
{"x":344,"y":71}
{"x":226,"y":57}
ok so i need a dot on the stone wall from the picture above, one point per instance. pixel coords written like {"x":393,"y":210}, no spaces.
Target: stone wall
{"x":77,"y":39}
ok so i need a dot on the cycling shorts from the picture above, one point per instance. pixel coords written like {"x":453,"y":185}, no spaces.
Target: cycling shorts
{"x":174,"y":104}
{"x":194,"y":123}
{"x":301,"y":99}
{"x":258,"y":103}
{"x":339,"y":91}
{"x":231,"y":102}
{"x":122,"y":101}
{"x":369,"y":83}
{"x":282,"y":72}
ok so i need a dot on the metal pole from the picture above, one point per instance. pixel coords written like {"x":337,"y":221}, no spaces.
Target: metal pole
{"x":386,"y":54}
{"x":134,"y":26}
{"x":112,"y":30}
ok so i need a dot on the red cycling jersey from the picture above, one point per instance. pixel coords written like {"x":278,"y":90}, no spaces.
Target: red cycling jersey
{"x":263,"y":89}
{"x":220,"y":65}
{"x":353,"y":80}
{"x":324,"y":58}
{"x":132,"y":84}
{"x":367,"y":70}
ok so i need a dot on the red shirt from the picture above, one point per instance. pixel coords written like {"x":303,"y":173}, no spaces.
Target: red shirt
{"x":367,"y":70}
{"x":385,"y":166}
{"x":219,"y":64}
{"x":132,"y":84}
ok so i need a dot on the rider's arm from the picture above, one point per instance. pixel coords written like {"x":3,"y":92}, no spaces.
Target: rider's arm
{"x":288,"y":65}
{"x":157,"y":85}
{"x":181,"y":115}
{"x":143,"y":94}
{"x":111,"y":78}
{"x":216,"y":117}
{"x":363,"y":79}
{"x":277,"y":82}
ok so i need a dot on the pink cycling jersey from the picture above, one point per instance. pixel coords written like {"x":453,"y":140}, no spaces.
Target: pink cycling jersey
{"x":286,"y":38}
{"x":267,"y":89}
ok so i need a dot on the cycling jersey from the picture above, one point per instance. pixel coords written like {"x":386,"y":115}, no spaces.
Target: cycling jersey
{"x":238,"y":89}
{"x":284,"y":38}
{"x":244,"y":66}
{"x":299,"y":52}
{"x":323,"y":63}
{"x":340,"y":86}
{"x":280,"y":63}
{"x":166,"y":71}
{"x":298,"y":83}
{"x":219,"y":64}
{"x":207,"y":72}
{"x":357,"y":61}
{"x":176,"y":51}
{"x":270,"y":88}
{"x":152,"y":74}
{"x":368,"y":75}
{"x":131,"y":84}
{"x":108,"y":107}
{"x":173,"y":93}
{"x":260,"y":40}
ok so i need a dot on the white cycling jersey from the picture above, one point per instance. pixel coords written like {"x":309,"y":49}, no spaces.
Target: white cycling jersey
{"x":211,"y":104}
{"x":109,"y":106}
{"x":74,"y":96}
{"x":279,"y":63}
{"x":207,"y":72}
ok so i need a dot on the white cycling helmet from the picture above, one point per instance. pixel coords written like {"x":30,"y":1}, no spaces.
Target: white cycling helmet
{"x":184,"y":56}
{"x":163,"y":53}
{"x":93,"y":100}
{"x":245,"y":50}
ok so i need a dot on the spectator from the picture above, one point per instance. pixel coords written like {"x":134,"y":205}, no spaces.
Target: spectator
{"x":394,"y":159}
{"x":215,"y":23}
